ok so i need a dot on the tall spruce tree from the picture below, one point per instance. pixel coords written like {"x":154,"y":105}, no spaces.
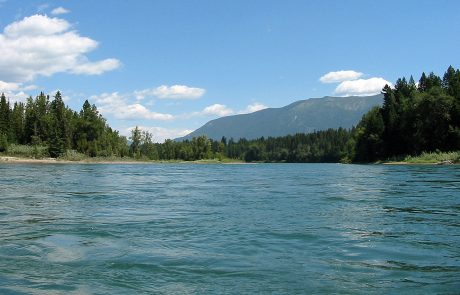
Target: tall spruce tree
{"x":58,"y":139}
{"x":4,"y":115}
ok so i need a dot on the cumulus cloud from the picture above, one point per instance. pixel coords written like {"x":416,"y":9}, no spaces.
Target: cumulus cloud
{"x":171,"y":92}
{"x":40,"y":45}
{"x":15,"y":96}
{"x":117,"y":105}
{"x":361,"y":87}
{"x":217,"y":109}
{"x":222,"y":110}
{"x":59,"y":10}
{"x":36,"y":25}
{"x":254,"y":107}
{"x":160,"y":134}
{"x":340,"y":76}
{"x":97,"y":68}
{"x":5,"y":86}
{"x":15,"y":91}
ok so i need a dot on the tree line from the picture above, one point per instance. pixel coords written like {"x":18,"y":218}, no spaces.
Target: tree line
{"x":414,"y":118}
{"x":45,"y":122}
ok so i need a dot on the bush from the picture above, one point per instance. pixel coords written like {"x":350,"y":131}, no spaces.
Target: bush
{"x":72,"y":155}
{"x":27,"y":151}
{"x":434,"y":157}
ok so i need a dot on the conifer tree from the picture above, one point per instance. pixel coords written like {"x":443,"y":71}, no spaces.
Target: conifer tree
{"x":136,"y":138}
{"x":4,"y":115}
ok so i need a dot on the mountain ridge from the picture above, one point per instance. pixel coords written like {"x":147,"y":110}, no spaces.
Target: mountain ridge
{"x":303,"y":116}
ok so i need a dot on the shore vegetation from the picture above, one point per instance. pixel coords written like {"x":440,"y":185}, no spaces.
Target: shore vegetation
{"x":417,"y":123}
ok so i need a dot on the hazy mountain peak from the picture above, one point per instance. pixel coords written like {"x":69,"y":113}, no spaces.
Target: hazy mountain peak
{"x":302,"y":116}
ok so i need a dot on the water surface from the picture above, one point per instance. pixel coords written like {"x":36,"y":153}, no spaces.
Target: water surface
{"x":229,"y":229}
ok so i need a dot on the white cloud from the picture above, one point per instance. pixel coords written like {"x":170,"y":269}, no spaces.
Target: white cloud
{"x":222,"y":110}
{"x":59,"y":10}
{"x":217,"y":109}
{"x":97,"y":68}
{"x":160,"y":134}
{"x":15,"y":91}
{"x":361,"y":87}
{"x":29,"y":87}
{"x":340,"y":76}
{"x":171,"y":92}
{"x":117,"y":105}
{"x":36,"y":25}
{"x":8,"y":87}
{"x":42,"y":46}
{"x":254,"y":107}
{"x":15,"y":96}
{"x":5,"y":86}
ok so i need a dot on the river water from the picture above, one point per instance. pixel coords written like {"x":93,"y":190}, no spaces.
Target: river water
{"x":229,"y":229}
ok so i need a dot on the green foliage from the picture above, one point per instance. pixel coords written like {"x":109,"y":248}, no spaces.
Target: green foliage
{"x":3,"y":143}
{"x":330,"y":145}
{"x":434,"y":157}
{"x":369,"y":137}
{"x":4,"y":115}
{"x":413,"y":119}
{"x":72,"y":155}
{"x":28,"y":151}
{"x":50,"y":123}
{"x":136,"y":138}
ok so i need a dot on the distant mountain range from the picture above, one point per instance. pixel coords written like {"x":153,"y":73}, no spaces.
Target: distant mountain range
{"x":303,"y":116}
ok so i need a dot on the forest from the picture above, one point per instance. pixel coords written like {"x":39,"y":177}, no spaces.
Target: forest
{"x":414,"y":118}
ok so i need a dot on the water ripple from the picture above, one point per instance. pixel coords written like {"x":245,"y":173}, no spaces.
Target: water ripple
{"x":229,"y":229}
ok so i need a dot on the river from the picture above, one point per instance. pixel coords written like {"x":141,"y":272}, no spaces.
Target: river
{"x":229,"y":229}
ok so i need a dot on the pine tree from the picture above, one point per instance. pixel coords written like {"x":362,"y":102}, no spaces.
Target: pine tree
{"x":422,"y":83}
{"x":17,"y":123}
{"x":58,"y":139}
{"x":136,"y":138}
{"x":3,"y":143}
{"x":4,"y":115}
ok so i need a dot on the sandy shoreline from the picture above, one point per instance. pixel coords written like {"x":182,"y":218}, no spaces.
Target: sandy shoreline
{"x":409,"y":163}
{"x":18,"y":160}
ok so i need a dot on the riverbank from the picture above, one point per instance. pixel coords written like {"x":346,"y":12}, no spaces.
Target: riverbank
{"x":432,"y":158}
{"x":22,"y":160}
{"x":436,"y":158}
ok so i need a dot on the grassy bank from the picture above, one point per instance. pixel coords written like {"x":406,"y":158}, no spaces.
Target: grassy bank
{"x":39,"y":154}
{"x":434,"y":158}
{"x":427,"y":158}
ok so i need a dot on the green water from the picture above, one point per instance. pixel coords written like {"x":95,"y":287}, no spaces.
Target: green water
{"x":229,"y":229}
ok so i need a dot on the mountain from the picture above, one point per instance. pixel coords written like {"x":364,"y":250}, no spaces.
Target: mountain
{"x":302,"y":116}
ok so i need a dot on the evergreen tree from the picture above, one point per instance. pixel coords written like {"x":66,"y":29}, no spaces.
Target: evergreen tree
{"x":59,"y":127}
{"x":148,"y":148}
{"x":369,"y":133}
{"x":17,"y":123}
{"x":4,"y":115}
{"x":136,"y":139}
{"x":3,"y":143}
{"x":30,"y":123}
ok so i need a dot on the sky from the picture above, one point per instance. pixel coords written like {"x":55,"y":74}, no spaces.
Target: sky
{"x":171,"y":66}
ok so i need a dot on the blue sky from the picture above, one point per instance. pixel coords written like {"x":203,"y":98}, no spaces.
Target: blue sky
{"x":171,"y":66}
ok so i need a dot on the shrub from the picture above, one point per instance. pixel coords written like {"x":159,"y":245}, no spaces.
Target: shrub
{"x":434,"y":157}
{"x":3,"y":143}
{"x":28,"y":151}
{"x":72,"y":155}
